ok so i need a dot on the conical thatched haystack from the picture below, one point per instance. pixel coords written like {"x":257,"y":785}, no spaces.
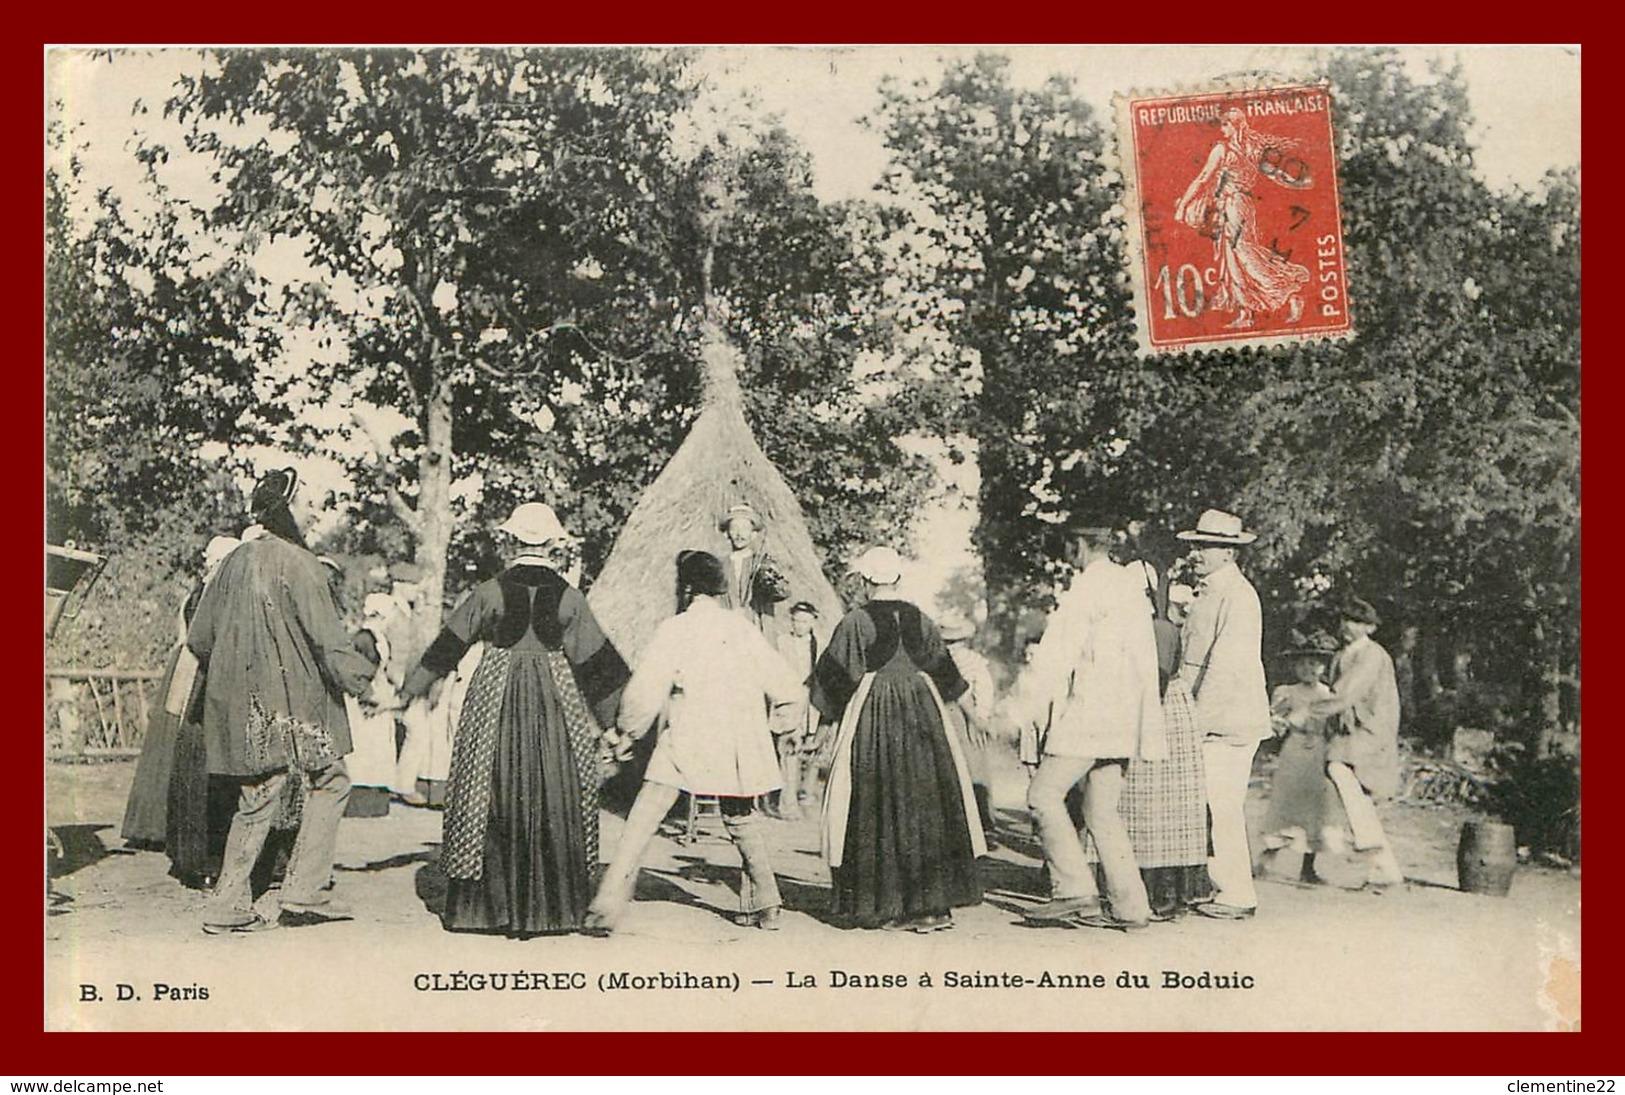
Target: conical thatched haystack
{"x":717,"y":465}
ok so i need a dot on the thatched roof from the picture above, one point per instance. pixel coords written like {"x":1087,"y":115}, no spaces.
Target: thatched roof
{"x":718,"y":465}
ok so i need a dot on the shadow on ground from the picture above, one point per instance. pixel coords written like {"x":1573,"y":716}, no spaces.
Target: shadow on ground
{"x":80,"y":846}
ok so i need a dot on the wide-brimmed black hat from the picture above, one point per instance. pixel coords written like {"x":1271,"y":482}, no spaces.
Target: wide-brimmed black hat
{"x":274,"y":488}
{"x":1317,"y":643}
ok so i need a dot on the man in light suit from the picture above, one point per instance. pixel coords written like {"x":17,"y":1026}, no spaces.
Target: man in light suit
{"x":1363,"y":755}
{"x":1096,"y":670}
{"x":1223,"y":666}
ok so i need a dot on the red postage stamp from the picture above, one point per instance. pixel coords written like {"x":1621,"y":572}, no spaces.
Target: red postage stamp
{"x":1235,"y":229}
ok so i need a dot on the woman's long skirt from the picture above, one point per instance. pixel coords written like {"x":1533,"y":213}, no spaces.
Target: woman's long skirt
{"x":517,"y":830}
{"x":907,"y":852}
{"x":1301,"y":794}
{"x":201,"y":807}
{"x":1164,"y":807}
{"x":146,"y":812}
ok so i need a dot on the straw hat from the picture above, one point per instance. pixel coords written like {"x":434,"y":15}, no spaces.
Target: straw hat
{"x":745,"y":510}
{"x":1218,"y":527}
{"x":533,"y":523}
{"x":880,"y":565}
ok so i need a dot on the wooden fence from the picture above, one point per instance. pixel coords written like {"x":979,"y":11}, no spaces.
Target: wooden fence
{"x":97,"y":712}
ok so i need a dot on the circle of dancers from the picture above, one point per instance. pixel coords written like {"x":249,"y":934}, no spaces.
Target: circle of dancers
{"x":1137,"y":714}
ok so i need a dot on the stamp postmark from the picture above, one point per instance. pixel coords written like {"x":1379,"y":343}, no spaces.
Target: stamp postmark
{"x":1235,"y":228}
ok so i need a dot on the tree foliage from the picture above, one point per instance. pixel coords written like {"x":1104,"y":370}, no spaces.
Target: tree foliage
{"x":149,"y":353}
{"x":1431,"y":463}
{"x":481,"y":275}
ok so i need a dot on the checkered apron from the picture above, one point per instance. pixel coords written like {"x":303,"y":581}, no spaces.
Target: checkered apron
{"x":468,"y":790}
{"x":1164,"y":802}
{"x":585,"y":739}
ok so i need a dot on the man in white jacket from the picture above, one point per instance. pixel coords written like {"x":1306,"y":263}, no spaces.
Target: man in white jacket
{"x":1223,"y":666}
{"x":706,"y":680}
{"x":1094,"y":677}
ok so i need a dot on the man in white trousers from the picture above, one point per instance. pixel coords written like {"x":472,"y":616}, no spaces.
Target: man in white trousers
{"x":1096,"y":670}
{"x":1223,"y":666}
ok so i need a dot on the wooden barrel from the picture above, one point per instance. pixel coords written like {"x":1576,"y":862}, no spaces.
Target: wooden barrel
{"x":1486,"y":857}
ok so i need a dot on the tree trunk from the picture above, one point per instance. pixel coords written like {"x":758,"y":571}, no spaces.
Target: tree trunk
{"x":1428,"y":663}
{"x":1549,"y":708}
{"x":1405,"y":659}
{"x":434,"y":506}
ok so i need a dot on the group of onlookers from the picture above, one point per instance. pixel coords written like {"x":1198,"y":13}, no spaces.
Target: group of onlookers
{"x":1159,"y":722}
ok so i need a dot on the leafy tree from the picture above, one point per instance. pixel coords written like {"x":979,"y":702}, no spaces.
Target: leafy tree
{"x":791,"y":285}
{"x":1430,"y":463}
{"x":1006,"y":238}
{"x":486,"y":232}
{"x":149,"y":354}
{"x":516,"y":252}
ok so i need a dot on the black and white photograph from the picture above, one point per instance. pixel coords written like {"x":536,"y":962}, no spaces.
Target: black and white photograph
{"x":812,"y":538}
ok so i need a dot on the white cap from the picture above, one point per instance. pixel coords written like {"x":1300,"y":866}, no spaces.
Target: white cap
{"x":880,"y":565}
{"x":533,"y":523}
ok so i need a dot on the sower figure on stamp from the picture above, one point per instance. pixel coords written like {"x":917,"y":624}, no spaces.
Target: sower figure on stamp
{"x":1219,"y":203}
{"x":278,"y":663}
{"x":1095,"y":674}
{"x":1362,"y":757}
{"x":1223,"y":666}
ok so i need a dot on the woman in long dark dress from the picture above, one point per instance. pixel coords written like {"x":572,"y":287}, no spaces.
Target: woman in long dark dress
{"x":900,"y":825}
{"x":174,"y":803}
{"x":520,"y":848}
{"x":146,"y":811}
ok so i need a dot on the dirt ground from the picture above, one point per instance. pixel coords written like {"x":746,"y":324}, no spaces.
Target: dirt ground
{"x":1422,"y":957}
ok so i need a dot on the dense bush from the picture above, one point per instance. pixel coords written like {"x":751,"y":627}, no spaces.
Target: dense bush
{"x":1539,"y":796}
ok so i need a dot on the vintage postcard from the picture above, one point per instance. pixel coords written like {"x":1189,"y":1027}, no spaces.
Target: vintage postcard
{"x":786,"y":434}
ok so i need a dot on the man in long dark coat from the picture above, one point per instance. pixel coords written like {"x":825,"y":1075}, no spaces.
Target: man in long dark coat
{"x":279,"y":660}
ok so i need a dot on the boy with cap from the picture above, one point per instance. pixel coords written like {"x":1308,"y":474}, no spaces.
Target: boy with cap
{"x":799,"y":649}
{"x":1362,"y":757}
{"x":754,"y":582}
